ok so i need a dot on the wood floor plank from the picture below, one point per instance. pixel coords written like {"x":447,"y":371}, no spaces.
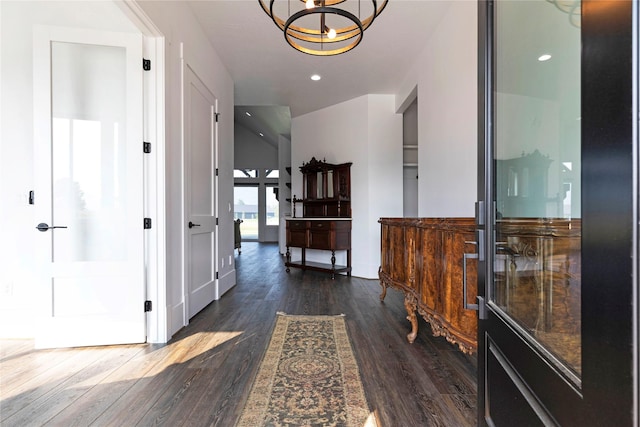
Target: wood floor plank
{"x":64,"y":393}
{"x":86,"y":409}
{"x":45,"y":381}
{"x":203,"y":376}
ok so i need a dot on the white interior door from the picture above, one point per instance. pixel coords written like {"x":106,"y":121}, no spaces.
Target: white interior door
{"x":200,"y":223}
{"x":89,"y":187}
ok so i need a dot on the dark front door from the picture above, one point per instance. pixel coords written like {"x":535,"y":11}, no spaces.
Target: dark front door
{"x":557,"y":215}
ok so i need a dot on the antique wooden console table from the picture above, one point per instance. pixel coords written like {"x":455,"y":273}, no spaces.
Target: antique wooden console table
{"x":326,"y":221}
{"x":331,"y":234}
{"x":424,"y":259}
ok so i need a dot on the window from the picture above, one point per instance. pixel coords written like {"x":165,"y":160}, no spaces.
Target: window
{"x":245,"y":201}
{"x":273,"y":206}
{"x":245,"y":173}
{"x":256,"y":203}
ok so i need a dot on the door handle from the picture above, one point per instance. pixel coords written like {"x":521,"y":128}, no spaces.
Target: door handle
{"x":191,"y":225}
{"x":465,"y":257}
{"x":43,"y":226}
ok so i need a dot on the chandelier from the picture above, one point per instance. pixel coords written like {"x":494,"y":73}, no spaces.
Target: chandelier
{"x":323,"y":27}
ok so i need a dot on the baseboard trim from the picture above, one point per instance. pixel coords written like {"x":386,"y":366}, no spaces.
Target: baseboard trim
{"x":176,"y":318}
{"x":225,"y":283}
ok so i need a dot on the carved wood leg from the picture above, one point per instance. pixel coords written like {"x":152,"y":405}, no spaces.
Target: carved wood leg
{"x":288,"y":258}
{"x":384,"y":291}
{"x":410,"y":305}
{"x":383,"y":284}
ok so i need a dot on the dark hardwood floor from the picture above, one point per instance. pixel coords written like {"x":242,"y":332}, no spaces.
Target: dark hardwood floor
{"x":203,"y":375}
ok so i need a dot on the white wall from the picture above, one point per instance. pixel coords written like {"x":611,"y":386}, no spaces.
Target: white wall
{"x":181,"y":29}
{"x":367,"y":132}
{"x":446,"y":76}
{"x":17,"y":272}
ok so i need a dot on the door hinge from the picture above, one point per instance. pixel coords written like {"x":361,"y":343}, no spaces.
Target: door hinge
{"x":216,"y":221}
{"x":32,"y":199}
{"x":217,"y":115}
{"x":216,"y":171}
{"x":216,"y":275}
{"x":146,"y":147}
{"x":147,"y":306}
{"x":147,"y":223}
{"x":146,"y":64}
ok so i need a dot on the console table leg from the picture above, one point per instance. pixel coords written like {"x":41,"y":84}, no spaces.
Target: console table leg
{"x":410,"y":305}
{"x":333,"y":265}
{"x":288,"y":258}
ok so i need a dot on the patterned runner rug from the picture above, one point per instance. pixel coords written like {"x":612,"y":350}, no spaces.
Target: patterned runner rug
{"x":308,"y":377}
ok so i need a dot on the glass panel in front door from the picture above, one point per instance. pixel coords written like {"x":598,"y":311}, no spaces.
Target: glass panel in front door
{"x":537,"y":279}
{"x":89,"y":151}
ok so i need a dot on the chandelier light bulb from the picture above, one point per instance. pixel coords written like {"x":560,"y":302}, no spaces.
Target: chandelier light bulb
{"x":310,"y":4}
{"x":331,"y":33}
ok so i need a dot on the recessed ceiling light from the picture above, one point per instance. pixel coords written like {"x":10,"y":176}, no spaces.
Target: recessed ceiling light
{"x":544,"y":57}
{"x":316,"y":77}
{"x":247,"y":113}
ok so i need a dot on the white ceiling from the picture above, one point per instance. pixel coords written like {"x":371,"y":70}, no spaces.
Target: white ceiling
{"x":268,"y":72}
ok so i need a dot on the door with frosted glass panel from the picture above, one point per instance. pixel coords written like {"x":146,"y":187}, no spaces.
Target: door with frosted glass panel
{"x":88,"y":189}
{"x":556,"y":218}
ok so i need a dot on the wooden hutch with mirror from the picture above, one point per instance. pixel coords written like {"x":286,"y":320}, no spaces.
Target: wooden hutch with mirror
{"x":326,"y":216}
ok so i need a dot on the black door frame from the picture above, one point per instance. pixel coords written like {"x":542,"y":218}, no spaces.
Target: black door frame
{"x":609,"y":384}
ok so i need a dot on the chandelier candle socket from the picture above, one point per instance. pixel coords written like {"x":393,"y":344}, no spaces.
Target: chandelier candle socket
{"x":323,"y":27}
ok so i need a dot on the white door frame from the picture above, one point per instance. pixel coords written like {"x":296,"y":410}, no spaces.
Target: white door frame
{"x":154,"y":171}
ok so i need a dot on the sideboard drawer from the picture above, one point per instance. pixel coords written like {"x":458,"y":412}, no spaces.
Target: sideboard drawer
{"x":320,"y":225}
{"x":297,"y":225}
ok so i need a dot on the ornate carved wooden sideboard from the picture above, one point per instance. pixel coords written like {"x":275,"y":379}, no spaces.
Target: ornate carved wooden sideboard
{"x":424,"y":259}
{"x":537,"y":276}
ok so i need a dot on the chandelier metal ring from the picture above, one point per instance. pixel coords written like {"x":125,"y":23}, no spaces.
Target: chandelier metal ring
{"x":303,"y":38}
{"x":291,"y":32}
